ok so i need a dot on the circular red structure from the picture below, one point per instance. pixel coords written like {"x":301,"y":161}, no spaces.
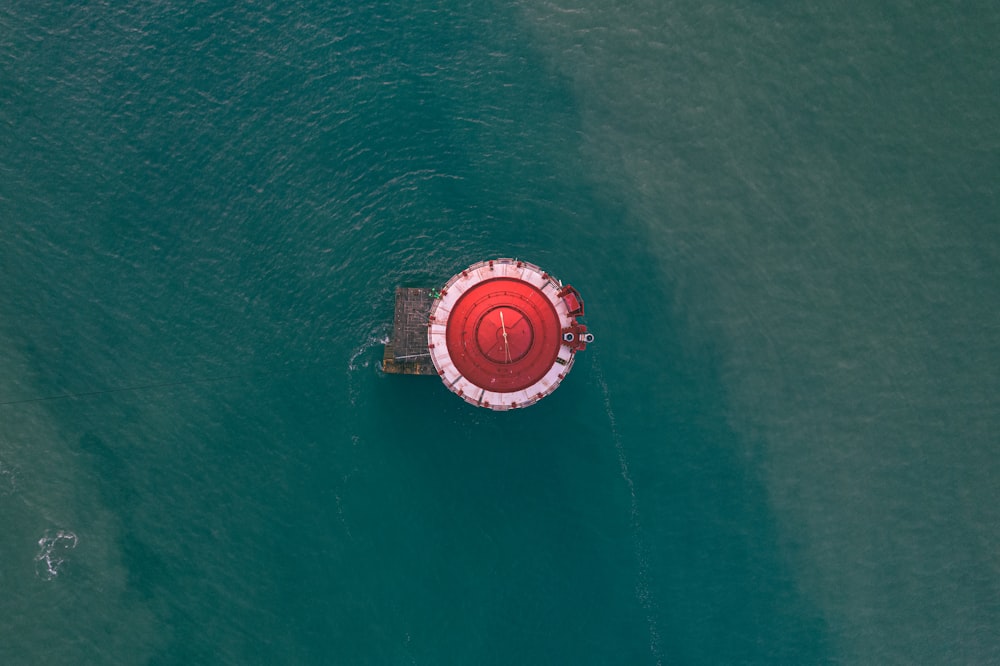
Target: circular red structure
{"x":503,"y":333}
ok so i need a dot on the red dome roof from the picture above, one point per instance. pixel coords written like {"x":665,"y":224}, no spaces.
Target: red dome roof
{"x":503,"y":333}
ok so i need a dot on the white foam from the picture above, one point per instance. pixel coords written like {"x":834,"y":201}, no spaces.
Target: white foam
{"x":373,"y":339}
{"x":51,"y":552}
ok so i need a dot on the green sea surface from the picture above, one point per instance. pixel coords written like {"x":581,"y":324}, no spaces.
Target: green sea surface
{"x":784,"y":219}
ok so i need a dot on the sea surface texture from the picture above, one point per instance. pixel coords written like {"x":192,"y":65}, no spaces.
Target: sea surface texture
{"x":782,"y":448}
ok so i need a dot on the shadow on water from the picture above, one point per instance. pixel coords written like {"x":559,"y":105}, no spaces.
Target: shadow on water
{"x":509,"y":520}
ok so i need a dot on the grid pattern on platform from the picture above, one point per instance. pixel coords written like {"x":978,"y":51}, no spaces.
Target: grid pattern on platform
{"x":407,"y":354}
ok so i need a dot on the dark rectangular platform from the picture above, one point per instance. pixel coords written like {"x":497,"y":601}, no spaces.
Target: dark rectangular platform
{"x":407,"y":353}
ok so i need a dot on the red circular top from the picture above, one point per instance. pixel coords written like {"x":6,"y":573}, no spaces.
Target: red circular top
{"x":503,"y":335}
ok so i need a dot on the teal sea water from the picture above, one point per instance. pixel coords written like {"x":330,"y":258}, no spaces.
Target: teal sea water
{"x":782,"y":448}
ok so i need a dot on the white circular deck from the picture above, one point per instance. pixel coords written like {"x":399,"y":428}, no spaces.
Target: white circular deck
{"x":478,"y":358}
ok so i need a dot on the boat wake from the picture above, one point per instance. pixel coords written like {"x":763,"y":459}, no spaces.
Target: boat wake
{"x":642,"y":584}
{"x":360,"y":359}
{"x":372,"y":341}
{"x":52,"y":550}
